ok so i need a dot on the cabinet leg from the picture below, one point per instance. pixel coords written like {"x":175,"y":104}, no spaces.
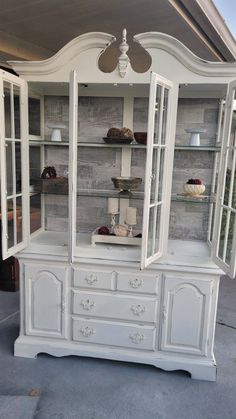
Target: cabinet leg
{"x":207,"y":373}
{"x":24,"y":350}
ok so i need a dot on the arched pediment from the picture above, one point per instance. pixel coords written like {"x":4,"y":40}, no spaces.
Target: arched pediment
{"x":91,"y":40}
{"x":156,"y":40}
{"x":82,"y":54}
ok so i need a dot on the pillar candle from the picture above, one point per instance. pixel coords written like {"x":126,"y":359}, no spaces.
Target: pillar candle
{"x":131,"y":216}
{"x":113,"y":206}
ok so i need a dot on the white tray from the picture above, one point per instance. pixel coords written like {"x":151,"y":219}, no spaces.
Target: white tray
{"x":102,"y":238}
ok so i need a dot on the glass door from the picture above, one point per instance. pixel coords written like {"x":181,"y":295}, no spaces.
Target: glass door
{"x":73,"y":138}
{"x":224,"y":238}
{"x":158,"y":171}
{"x":14,"y":164}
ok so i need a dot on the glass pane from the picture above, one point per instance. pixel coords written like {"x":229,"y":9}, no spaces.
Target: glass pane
{"x":19,"y":219}
{"x":230,"y":238}
{"x":153,"y":230}
{"x":34,"y":164}
{"x":7,"y":109}
{"x":164,"y":120}
{"x":158,"y":114}
{"x":10,"y":223}
{"x":35,"y":213}
{"x":157,"y":233}
{"x":150,"y":232}
{"x":213,"y":208}
{"x":222,"y":233}
{"x":16,"y":93}
{"x":161,"y":171}
{"x":9,"y":167}
{"x":18,"y":167}
{"x":34,"y":116}
{"x":154,"y":175}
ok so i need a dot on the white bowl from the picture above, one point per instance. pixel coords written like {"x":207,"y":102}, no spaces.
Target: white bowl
{"x":194,"y":190}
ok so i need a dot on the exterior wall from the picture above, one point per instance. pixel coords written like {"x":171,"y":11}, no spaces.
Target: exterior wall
{"x":97,"y":166}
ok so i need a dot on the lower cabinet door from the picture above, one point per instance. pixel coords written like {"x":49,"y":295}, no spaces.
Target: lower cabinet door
{"x":186,"y":315}
{"x":46,"y":302}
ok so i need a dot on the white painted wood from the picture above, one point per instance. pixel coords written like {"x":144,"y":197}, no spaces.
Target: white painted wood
{"x":185,"y":314}
{"x":73,"y":138}
{"x":46,"y":296}
{"x":127,"y":241}
{"x":136,"y":282}
{"x":98,"y":279}
{"x":220,"y":260}
{"x":114,"y":306}
{"x":125,"y":335}
{"x":163,"y":204}
{"x":21,"y":84}
{"x":104,"y":312}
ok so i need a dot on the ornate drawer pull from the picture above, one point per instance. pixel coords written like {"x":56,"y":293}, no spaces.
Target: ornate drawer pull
{"x":136,"y":283}
{"x":87,"y":331}
{"x":136,"y":337}
{"x":87,"y":304}
{"x":138,"y":310}
{"x":91,"y":279}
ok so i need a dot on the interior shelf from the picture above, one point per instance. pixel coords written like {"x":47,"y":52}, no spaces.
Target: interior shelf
{"x":100,"y":193}
{"x":201,"y":199}
{"x":86,"y":144}
{"x":197,"y":148}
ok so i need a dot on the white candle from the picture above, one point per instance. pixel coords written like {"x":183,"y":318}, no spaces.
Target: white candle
{"x":131,"y":216}
{"x":113,"y":207}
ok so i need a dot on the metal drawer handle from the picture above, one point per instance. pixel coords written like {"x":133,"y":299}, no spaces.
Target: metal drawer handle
{"x":87,"y":304}
{"x":138,"y":310}
{"x":136,"y":337}
{"x":87,"y":331}
{"x":136,"y":283}
{"x":91,"y":279}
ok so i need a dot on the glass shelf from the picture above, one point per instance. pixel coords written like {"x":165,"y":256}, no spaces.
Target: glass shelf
{"x":52,"y":143}
{"x":86,"y":144}
{"x":110,"y":194}
{"x":132,"y":145}
{"x":100,"y":193}
{"x":198,"y":148}
{"x":202,"y":199}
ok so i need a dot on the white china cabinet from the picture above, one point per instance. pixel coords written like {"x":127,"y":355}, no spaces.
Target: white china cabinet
{"x":154,"y":300}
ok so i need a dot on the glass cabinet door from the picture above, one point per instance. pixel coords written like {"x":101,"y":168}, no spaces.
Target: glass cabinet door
{"x":14,"y":164}
{"x":224,"y":238}
{"x":73,"y":137}
{"x":155,"y":217}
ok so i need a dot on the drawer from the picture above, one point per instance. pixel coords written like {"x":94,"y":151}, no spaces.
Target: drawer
{"x":114,"y":334}
{"x":115,"y":306}
{"x":138,"y":283}
{"x":85,"y":278}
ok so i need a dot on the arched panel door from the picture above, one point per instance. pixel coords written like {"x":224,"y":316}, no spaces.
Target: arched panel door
{"x":45,"y":288}
{"x":186,"y":315}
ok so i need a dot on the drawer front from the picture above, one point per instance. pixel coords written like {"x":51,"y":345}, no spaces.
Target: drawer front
{"x":85,"y":278}
{"x":115,"y":306}
{"x":114,"y":334}
{"x":137,"y":283}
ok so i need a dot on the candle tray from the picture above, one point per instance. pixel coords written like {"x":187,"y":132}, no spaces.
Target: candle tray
{"x":110,"y":239}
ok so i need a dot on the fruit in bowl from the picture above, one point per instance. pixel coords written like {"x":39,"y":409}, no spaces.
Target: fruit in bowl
{"x":141,"y":137}
{"x":194,"y":187}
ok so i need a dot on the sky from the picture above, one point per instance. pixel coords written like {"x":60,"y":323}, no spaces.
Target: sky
{"x":227,"y":9}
